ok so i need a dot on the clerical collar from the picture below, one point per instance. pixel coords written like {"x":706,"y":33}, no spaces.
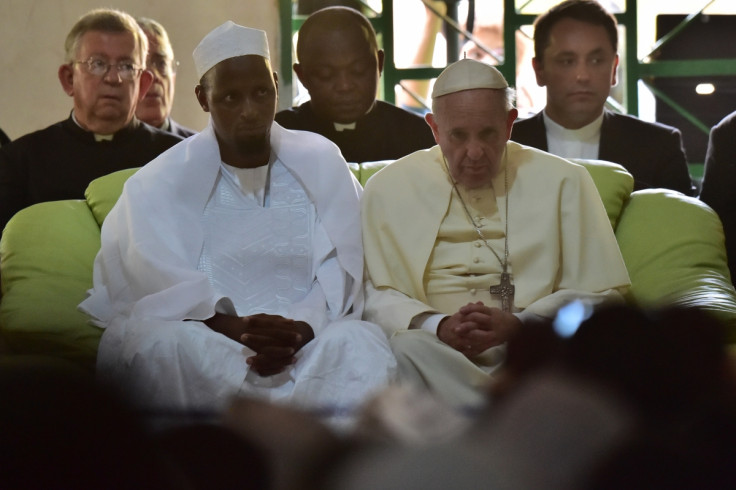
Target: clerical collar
{"x":573,"y":143}
{"x":98,"y":137}
{"x":342,"y":127}
{"x":166,"y":125}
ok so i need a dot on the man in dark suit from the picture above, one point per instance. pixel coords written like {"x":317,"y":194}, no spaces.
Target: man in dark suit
{"x":155,"y":107}
{"x":719,"y":181}
{"x":4,"y":140}
{"x":575,"y":58}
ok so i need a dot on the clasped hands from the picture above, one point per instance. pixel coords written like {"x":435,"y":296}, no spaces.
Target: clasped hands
{"x":476,"y":328}
{"x":273,"y":338}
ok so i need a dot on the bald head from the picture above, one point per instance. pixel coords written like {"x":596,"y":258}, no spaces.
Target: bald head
{"x":339,"y":63}
{"x":335,"y":19}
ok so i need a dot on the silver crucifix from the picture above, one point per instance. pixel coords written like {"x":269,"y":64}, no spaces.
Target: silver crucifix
{"x":505,"y":290}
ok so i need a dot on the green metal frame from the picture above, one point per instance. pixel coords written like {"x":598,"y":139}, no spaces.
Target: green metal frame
{"x":635,"y":69}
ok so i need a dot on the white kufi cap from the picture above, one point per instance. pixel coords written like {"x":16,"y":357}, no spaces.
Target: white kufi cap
{"x":228,"y":41}
{"x":468,"y":74}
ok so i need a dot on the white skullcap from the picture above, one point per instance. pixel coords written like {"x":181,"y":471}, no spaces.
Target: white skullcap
{"x":467,"y":74}
{"x":228,"y":41}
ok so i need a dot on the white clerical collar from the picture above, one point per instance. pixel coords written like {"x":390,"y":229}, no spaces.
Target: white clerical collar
{"x":98,"y":137}
{"x":342,"y":127}
{"x":573,"y":143}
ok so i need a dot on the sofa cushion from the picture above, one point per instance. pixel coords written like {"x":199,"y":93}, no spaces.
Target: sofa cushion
{"x":367,"y":169}
{"x":46,"y":257}
{"x":673,"y":246}
{"x":103,"y":192}
{"x":614,"y":184}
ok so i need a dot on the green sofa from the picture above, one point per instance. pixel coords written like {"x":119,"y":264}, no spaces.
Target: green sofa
{"x":673,"y":247}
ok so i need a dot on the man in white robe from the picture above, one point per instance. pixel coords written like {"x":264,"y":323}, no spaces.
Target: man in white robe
{"x":233,"y":265}
{"x":444,"y":226}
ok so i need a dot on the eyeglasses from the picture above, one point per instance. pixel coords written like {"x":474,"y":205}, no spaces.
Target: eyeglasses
{"x":163,"y":67}
{"x":99,"y":68}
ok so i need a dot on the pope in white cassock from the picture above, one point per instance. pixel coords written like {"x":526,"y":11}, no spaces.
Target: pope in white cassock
{"x":233,"y":263}
{"x":466,"y":241}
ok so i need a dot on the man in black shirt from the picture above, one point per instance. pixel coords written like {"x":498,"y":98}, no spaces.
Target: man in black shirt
{"x":339,"y":63}
{"x":103,"y":73}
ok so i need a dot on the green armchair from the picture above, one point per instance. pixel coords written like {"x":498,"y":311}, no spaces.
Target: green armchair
{"x":673,"y":247}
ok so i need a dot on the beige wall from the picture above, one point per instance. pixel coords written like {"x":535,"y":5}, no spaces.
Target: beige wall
{"x":33,"y":32}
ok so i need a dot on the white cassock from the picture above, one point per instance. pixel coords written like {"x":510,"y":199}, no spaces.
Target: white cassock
{"x":191,"y":236}
{"x":425,"y":260}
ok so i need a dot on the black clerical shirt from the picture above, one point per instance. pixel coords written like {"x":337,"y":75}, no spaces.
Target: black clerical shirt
{"x":60,"y":161}
{"x":387,"y":132}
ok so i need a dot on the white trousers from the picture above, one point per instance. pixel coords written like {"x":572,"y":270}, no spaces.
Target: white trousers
{"x":424,"y":361}
{"x":184,"y":365}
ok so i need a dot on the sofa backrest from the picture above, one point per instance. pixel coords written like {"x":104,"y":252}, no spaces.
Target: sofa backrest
{"x":614,"y":182}
{"x":103,"y":193}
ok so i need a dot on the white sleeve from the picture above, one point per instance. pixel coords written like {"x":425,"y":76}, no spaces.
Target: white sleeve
{"x":427,"y":322}
{"x":330,"y":285}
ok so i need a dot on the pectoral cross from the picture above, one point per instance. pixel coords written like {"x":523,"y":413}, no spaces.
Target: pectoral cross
{"x":505,"y":290}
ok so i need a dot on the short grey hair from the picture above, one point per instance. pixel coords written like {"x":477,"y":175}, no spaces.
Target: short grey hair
{"x":105,"y":20}
{"x":154,"y":29}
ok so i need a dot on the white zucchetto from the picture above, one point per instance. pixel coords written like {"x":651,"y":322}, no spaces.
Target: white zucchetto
{"x":467,"y":74}
{"x":228,"y":41}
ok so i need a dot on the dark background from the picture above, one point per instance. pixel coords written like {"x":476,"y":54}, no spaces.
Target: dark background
{"x":708,"y":37}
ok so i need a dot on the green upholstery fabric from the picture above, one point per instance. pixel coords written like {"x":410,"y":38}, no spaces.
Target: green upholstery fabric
{"x":367,"y":169}
{"x":673,"y":246}
{"x":614,"y":184}
{"x":46,"y":252}
{"x":355,"y":168}
{"x":102,"y":193}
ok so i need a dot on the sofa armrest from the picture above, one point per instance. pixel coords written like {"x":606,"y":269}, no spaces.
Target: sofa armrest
{"x":674,"y":249}
{"x":46,"y":257}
